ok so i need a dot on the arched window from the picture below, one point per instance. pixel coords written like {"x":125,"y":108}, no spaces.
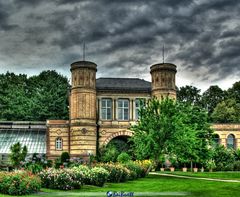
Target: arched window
{"x":58,"y":143}
{"x":216,"y":140}
{"x":231,"y":141}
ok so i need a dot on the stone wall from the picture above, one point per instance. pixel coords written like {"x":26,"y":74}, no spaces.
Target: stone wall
{"x":57,"y":129}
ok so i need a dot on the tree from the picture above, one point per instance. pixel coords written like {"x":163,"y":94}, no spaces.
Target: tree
{"x":190,"y":95}
{"x":223,"y":157}
{"x":172,"y":128}
{"x":211,"y":97}
{"x":18,"y":154}
{"x":36,"y":98}
{"x":227,"y":111}
{"x":234,"y":92}
{"x":49,"y":96}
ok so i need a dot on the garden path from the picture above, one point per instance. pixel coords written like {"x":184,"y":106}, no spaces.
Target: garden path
{"x":200,"y":178}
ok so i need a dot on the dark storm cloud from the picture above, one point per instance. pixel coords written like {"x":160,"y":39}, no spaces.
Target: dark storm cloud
{"x":200,"y":36}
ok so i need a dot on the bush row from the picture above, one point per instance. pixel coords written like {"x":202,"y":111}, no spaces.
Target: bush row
{"x":19,"y":183}
{"x":75,"y":177}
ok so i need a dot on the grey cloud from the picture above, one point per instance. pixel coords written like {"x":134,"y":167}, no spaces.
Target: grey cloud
{"x":202,"y":36}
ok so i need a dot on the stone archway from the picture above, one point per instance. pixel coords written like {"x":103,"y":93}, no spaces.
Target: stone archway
{"x":126,"y":133}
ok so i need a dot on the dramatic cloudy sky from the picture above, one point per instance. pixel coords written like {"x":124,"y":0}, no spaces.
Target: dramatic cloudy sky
{"x":124,"y":37}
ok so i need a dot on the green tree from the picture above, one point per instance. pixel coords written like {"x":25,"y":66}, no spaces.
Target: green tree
{"x":227,"y":111}
{"x":18,"y":154}
{"x":190,"y":95}
{"x":223,"y":157}
{"x":49,"y":96}
{"x":234,"y":92}
{"x":14,"y":104}
{"x":172,"y":128}
{"x":211,"y":97}
{"x":36,"y":98}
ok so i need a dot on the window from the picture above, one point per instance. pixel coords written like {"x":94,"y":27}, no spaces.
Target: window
{"x":216,"y":140}
{"x":123,"y":109}
{"x":231,"y":141}
{"x":137,"y":107}
{"x":59,"y":143}
{"x":106,"y":109}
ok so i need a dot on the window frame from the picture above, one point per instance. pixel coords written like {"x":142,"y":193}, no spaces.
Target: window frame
{"x":233,"y":138}
{"x":58,"y":141}
{"x":106,"y":108}
{"x":123,"y":108}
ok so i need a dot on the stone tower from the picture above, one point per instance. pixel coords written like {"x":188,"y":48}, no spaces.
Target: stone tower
{"x":163,"y":80}
{"x":83,"y":109}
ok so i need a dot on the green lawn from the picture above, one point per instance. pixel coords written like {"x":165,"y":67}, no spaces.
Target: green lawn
{"x":156,"y":183}
{"x":217,"y":175}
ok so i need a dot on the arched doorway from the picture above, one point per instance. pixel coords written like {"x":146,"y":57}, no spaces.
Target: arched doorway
{"x":114,"y":147}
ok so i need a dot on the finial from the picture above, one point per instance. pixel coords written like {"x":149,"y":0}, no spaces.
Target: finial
{"x":83,"y":50}
{"x":163,"y":53}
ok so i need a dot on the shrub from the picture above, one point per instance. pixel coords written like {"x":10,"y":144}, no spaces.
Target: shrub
{"x":236,"y":165}
{"x":136,"y":170}
{"x":117,"y":173}
{"x":123,"y":157}
{"x":65,"y":157}
{"x":99,"y":176}
{"x":85,"y":172}
{"x":145,"y":164}
{"x":63,"y":179}
{"x":34,"y":168}
{"x":19,"y":183}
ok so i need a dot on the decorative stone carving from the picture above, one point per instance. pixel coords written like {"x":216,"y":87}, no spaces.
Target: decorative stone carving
{"x":84,"y":130}
{"x":103,"y":132}
{"x":59,"y":132}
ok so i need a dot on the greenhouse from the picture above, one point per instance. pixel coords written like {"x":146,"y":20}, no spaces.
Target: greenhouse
{"x":31,"y":134}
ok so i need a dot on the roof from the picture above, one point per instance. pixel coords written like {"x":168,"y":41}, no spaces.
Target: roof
{"x":129,"y":85}
{"x":31,"y":134}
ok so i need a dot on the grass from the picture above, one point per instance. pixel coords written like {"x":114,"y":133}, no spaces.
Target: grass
{"x":156,"y":183}
{"x":233,"y":175}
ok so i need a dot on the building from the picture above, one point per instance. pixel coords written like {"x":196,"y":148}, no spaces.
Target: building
{"x":101,"y":108}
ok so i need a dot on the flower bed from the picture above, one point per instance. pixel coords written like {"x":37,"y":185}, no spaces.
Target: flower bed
{"x":118,"y":173}
{"x":63,"y":179}
{"x":73,"y":178}
{"x":19,"y":183}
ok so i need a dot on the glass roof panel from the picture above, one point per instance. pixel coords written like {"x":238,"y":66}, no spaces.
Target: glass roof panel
{"x":34,"y":139}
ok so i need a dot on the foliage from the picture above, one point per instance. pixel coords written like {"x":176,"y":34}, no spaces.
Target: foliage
{"x":117,"y":172}
{"x":36,"y":163}
{"x":40,"y":97}
{"x":109,"y":153}
{"x":136,"y":170}
{"x":19,"y":183}
{"x":190,"y":95}
{"x":234,"y":92}
{"x":123,"y":157}
{"x":86,"y":173}
{"x":227,"y":111}
{"x":99,"y":176}
{"x":63,"y":179}
{"x":223,"y":158}
{"x":172,"y":128}
{"x":73,"y":178}
{"x":18,"y":154}
{"x":236,"y":165}
{"x":145,"y":164}
{"x":211,"y":97}
{"x":114,"y":148}
{"x":65,"y":157}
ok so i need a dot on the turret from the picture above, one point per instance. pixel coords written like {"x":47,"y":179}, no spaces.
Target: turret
{"x":83,"y":108}
{"x":163,"y":80}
